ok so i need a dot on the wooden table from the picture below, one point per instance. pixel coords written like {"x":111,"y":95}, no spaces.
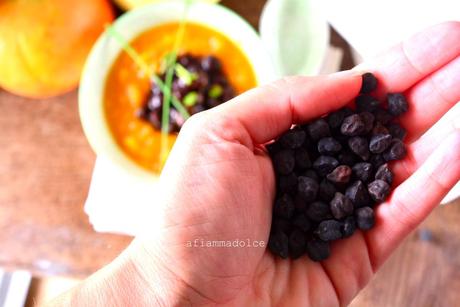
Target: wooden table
{"x":424,"y":271}
{"x":45,"y":170}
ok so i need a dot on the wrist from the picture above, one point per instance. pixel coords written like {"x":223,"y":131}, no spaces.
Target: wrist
{"x":118,"y":284}
{"x":161,"y":273}
{"x":124,"y":285}
{"x":152,"y":271}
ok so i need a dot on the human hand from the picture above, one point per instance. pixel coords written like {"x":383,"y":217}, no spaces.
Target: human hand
{"x":219,"y":182}
{"x":219,"y":185}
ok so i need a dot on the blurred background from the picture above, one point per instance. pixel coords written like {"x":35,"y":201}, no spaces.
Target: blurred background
{"x":49,"y":238}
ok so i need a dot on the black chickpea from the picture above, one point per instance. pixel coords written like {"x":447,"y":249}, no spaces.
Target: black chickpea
{"x":333,"y":171}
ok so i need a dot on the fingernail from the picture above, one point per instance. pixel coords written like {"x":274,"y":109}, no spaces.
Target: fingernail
{"x":348,"y":73}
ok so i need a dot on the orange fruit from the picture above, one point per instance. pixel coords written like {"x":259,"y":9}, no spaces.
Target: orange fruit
{"x":44,"y":43}
{"x":131,"y":4}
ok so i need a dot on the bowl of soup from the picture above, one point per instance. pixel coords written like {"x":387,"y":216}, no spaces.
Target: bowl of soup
{"x":218,"y":56}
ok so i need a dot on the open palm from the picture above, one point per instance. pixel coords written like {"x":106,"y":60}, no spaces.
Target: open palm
{"x":219,"y":183}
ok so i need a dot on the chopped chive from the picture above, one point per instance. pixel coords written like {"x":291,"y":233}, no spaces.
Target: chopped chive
{"x":167,"y":94}
{"x":179,"y":107}
{"x":165,"y":61}
{"x":190,"y":99}
{"x":186,"y":76}
{"x":215,"y":91}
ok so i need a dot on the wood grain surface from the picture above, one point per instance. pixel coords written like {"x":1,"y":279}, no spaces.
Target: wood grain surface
{"x":45,"y":170}
{"x":425,"y":270}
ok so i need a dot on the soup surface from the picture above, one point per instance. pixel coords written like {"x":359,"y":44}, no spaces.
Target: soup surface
{"x":127,"y":86}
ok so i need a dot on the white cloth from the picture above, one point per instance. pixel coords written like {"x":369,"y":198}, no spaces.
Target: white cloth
{"x":119,"y":202}
{"x":371,"y":26}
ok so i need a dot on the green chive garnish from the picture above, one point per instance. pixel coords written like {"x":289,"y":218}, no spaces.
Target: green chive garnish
{"x":186,"y":76}
{"x":215,"y":91}
{"x":190,"y":99}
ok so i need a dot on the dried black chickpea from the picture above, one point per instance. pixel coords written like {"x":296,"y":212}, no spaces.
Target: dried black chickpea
{"x":333,"y":171}
{"x":369,"y":83}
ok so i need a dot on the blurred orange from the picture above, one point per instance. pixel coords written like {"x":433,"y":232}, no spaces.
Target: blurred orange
{"x":44,"y":43}
{"x":131,"y":4}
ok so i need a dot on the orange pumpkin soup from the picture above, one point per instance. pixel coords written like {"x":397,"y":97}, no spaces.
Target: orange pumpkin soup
{"x":127,"y":86}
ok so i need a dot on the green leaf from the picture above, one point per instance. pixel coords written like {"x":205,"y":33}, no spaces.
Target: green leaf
{"x":190,"y":99}
{"x":215,"y":91}
{"x":186,"y":76}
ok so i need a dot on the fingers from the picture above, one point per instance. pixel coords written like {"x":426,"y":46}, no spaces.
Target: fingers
{"x":402,"y":66}
{"x":267,"y":111}
{"x":414,"y":199}
{"x":350,"y":268}
{"x":431,"y":98}
{"x":427,"y":68}
{"x":421,"y":149}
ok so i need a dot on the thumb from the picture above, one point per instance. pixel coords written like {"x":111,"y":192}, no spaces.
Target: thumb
{"x":267,"y":111}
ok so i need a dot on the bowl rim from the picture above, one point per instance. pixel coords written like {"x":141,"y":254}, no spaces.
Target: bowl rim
{"x":98,"y":66}
{"x":322,"y":37}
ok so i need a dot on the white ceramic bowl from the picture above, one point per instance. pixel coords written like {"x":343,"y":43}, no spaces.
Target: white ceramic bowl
{"x":296,"y":34}
{"x":131,"y":25}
